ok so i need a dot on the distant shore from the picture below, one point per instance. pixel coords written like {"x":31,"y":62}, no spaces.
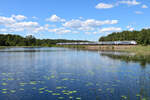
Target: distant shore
{"x":138,"y":49}
{"x":2,"y":47}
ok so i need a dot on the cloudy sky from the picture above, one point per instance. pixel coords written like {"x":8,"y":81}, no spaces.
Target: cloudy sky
{"x":72,"y":19}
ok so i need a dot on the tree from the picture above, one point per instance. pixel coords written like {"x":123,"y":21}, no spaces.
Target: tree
{"x":141,"y":37}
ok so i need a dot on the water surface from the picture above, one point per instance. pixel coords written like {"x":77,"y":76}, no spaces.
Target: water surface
{"x":68,"y":74}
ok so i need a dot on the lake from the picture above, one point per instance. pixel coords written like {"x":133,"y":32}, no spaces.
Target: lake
{"x":70,"y":74}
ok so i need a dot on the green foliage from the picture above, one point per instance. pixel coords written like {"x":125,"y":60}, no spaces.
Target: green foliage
{"x":16,"y":40}
{"x":141,"y":37}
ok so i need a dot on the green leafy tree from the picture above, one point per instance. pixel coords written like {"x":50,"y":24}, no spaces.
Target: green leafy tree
{"x":141,"y":37}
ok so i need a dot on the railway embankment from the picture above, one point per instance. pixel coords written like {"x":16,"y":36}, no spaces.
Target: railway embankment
{"x":110,"y":47}
{"x":138,"y":49}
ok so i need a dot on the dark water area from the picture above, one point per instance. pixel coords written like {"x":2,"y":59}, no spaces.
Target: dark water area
{"x":68,"y":74}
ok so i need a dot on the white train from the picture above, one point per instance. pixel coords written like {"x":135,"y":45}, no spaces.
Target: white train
{"x":101,"y":43}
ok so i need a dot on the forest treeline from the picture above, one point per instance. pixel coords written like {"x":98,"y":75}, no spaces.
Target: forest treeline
{"x":16,"y":40}
{"x":141,"y":37}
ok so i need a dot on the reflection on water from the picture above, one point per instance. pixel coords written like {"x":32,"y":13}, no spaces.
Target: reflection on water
{"x":128,"y":57}
{"x":65,"y":74}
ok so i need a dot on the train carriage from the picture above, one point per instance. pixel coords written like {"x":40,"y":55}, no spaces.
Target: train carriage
{"x":101,"y":43}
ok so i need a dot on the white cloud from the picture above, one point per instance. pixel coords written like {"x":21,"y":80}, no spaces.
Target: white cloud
{"x":5,"y":33}
{"x":88,"y":24}
{"x":3,"y":30}
{"x":87,"y":32}
{"x":138,"y":12}
{"x":86,"y":28}
{"x":146,"y":27}
{"x":55,"y":18}
{"x":6,"y":20}
{"x":73,"y":23}
{"x":130,"y":28}
{"x":129,"y":2}
{"x":104,"y":6}
{"x":110,"y":29}
{"x":60,"y":30}
{"x":19,"y":17}
{"x":144,"y":6}
{"x":93,"y":22}
{"x":75,"y":32}
{"x":24,"y":24}
{"x":38,"y":29}
{"x":16,"y":23}
{"x":34,"y":17}
{"x":81,"y":17}
{"x":30,"y":26}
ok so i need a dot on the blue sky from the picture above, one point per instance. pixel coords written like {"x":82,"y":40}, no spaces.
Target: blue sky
{"x":72,"y":19}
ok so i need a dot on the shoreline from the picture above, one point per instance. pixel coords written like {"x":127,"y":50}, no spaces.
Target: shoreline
{"x":138,"y":49}
{"x":3,"y":47}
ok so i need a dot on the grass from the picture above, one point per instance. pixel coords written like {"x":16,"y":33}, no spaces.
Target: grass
{"x":2,"y":47}
{"x":138,"y":49}
{"x":72,"y":46}
{"x":144,"y":50}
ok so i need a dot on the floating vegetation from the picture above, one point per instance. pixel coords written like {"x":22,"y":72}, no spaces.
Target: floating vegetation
{"x":4,"y":84}
{"x":72,"y":79}
{"x":49,"y":91}
{"x":4,"y":73}
{"x":78,"y":98}
{"x":89,"y":84}
{"x":60,"y":97}
{"x":41,"y":92}
{"x":12,"y":91}
{"x":65,"y":79}
{"x":112,"y":90}
{"x":41,"y":88}
{"x":61,"y":87}
{"x":10,"y":79}
{"x":47,"y":77}
{"x":100,"y":90}
{"x":144,"y":99}
{"x":21,"y":89}
{"x":138,"y":95}
{"x":66,"y":73}
{"x":22,"y":84}
{"x":124,"y":97}
{"x":33,"y":83}
{"x":114,"y":85}
{"x":70,"y":97}
{"x":4,"y":79}
{"x":67,"y":92}
{"x":4,"y":92}
{"x":52,"y":76}
{"x":4,"y":89}
{"x":55,"y":93}
{"x":34,"y":88}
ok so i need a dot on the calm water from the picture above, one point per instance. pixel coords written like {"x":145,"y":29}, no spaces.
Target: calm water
{"x":59,"y":73}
